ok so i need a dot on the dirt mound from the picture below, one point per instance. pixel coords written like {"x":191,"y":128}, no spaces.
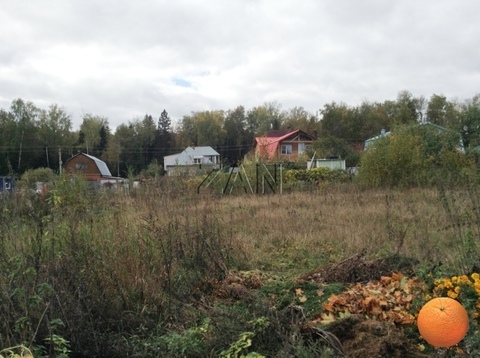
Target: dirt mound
{"x":238,"y":285}
{"x":356,"y":269}
{"x":368,"y":338}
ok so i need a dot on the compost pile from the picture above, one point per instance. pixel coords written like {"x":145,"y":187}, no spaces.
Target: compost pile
{"x":374,"y":316}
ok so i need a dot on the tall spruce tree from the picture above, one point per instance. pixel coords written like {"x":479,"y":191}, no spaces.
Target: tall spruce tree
{"x":164,"y":137}
{"x":104,"y":134}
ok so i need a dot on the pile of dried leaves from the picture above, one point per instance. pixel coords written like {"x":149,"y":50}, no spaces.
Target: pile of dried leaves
{"x":388,"y":299}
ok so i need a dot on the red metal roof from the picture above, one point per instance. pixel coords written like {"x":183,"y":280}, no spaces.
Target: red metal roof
{"x":267,"y":147}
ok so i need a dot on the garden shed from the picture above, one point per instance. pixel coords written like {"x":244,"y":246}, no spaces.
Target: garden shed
{"x":327,"y":163}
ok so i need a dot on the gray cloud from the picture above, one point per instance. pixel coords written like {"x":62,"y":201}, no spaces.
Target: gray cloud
{"x":122,"y":59}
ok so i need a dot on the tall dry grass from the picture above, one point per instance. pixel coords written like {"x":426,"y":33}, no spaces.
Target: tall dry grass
{"x":105,"y":269}
{"x":306,"y":229}
{"x":299,"y":231}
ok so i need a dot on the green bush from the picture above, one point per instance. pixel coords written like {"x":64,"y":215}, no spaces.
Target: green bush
{"x":316,"y":175}
{"x":154,"y":170}
{"x":32,"y":176}
{"x":412,"y":156}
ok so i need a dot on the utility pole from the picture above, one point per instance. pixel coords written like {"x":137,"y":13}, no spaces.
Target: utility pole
{"x":20,"y":152}
{"x":59,"y":160}
{"x":46,"y":154}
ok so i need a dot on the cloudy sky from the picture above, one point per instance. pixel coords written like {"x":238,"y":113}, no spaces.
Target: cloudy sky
{"x":122,"y":59}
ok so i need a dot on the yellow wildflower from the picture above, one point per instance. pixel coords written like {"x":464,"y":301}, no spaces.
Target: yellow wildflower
{"x":452,"y":294}
{"x":476,"y":285}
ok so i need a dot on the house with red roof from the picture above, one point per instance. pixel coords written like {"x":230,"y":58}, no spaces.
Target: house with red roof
{"x":282,"y":145}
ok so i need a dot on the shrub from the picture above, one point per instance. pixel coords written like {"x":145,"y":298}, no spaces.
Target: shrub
{"x":32,"y":176}
{"x":316,"y":176}
{"x":412,"y":156}
{"x":154,"y":170}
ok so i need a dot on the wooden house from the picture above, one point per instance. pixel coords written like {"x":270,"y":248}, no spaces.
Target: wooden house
{"x":282,"y":145}
{"x":93,"y":170}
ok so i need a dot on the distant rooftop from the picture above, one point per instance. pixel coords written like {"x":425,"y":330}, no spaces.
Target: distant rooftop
{"x":278,"y":132}
{"x":102,"y":166}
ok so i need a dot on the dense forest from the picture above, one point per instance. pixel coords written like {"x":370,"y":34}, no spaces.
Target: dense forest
{"x":32,"y":137}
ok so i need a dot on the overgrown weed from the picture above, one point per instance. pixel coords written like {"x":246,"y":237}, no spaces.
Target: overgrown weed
{"x":115,"y":265}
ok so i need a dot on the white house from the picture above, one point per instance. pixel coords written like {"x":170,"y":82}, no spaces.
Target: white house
{"x":192,"y":161}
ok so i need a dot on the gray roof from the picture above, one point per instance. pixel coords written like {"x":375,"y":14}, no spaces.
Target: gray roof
{"x":186,"y":157}
{"x":369,"y":141}
{"x":101,"y":165}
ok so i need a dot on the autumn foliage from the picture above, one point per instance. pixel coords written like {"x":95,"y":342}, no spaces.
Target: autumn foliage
{"x":388,"y":299}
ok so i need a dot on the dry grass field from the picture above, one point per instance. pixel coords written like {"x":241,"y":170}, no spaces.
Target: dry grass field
{"x":302,"y":230}
{"x":159,"y":270}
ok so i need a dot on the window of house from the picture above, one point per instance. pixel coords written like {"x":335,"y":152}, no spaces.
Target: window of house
{"x":197,"y":161}
{"x":80,"y":166}
{"x":302,"y":147}
{"x":212,"y":159}
{"x":286,"y":149}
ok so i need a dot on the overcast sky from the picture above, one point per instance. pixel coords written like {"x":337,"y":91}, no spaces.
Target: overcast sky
{"x":122,"y":59}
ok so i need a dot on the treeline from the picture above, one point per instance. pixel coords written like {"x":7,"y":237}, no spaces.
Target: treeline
{"x":32,"y":137}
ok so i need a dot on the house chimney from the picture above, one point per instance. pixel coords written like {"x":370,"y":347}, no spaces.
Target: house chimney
{"x":314,"y":134}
